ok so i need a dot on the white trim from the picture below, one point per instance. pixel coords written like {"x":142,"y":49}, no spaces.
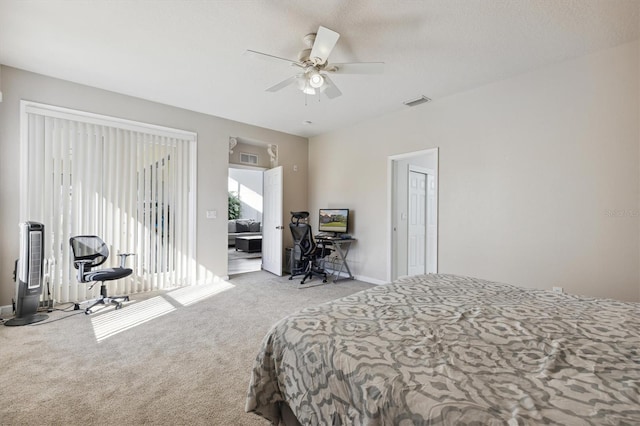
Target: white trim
{"x":245,"y":167}
{"x":423,"y":170}
{"x":370,"y":280}
{"x":103,"y":120}
{"x":390,"y":218}
{"x":193,"y":201}
{"x":24,"y":162}
{"x":6,"y":310}
{"x":413,"y":154}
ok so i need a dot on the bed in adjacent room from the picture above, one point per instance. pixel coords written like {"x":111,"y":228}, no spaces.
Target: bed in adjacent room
{"x":445,"y":349}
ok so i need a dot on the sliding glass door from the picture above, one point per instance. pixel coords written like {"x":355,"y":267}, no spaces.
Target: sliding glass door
{"x":129,"y":183}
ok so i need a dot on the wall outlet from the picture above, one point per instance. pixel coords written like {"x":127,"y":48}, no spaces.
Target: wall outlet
{"x":212,"y":214}
{"x":558,"y":289}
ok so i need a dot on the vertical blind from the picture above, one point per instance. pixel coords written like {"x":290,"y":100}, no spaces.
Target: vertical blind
{"x":128,"y":183}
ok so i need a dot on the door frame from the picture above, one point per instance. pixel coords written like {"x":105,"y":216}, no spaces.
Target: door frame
{"x":392,"y":220}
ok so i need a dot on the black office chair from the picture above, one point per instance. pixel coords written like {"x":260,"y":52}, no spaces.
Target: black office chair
{"x":90,"y":251}
{"x":305,"y":247}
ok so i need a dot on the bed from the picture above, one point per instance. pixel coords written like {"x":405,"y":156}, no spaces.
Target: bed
{"x":446,"y":349}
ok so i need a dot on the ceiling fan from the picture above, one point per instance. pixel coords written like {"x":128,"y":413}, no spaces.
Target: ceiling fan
{"x":313,"y":77}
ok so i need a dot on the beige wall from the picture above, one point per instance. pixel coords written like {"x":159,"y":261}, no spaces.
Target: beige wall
{"x":539,"y":177}
{"x":213,"y":159}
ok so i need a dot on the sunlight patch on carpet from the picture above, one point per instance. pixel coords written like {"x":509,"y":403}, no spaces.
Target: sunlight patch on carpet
{"x":189,"y":295}
{"x":114,"y":322}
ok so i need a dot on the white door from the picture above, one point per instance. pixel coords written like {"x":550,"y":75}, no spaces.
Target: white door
{"x":432,"y":225}
{"x":417,"y":223}
{"x":272,"y":221}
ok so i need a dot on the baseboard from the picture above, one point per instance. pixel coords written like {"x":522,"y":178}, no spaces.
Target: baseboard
{"x":6,"y":310}
{"x":362,"y":278}
{"x":370,"y":280}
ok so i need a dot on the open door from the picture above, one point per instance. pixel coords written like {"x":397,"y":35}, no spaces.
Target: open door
{"x":417,"y":223}
{"x":272,"y":221}
{"x":422,"y":251}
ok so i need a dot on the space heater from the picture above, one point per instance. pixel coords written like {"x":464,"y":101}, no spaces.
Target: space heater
{"x":29,"y":275}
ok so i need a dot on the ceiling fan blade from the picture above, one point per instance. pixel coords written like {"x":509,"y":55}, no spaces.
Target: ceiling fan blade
{"x":272,"y":58}
{"x":330,"y":90}
{"x":357,"y":68}
{"x":282,"y":84}
{"x":325,"y":41}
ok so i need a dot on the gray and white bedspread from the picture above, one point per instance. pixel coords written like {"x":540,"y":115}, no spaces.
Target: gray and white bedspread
{"x":444,"y":349}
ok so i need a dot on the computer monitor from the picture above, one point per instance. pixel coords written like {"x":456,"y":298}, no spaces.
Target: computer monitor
{"x":334,"y":220}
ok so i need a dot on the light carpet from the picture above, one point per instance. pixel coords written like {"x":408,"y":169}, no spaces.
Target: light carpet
{"x":188,"y":364}
{"x":239,"y":254}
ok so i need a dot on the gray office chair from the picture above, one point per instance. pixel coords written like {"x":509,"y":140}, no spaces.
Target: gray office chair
{"x":305,"y":247}
{"x":90,"y":251}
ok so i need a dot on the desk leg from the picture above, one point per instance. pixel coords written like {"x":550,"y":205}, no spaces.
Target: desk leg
{"x":343,"y":250}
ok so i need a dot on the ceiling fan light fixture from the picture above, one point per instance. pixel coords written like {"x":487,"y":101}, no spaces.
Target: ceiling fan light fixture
{"x":313,"y":77}
{"x":303,"y":85}
{"x":316,"y":80}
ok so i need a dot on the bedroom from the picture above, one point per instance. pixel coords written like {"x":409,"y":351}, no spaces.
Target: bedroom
{"x":540,"y":232}
{"x":540,"y":170}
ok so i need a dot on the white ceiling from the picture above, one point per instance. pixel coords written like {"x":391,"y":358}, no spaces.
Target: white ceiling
{"x":190,"y":53}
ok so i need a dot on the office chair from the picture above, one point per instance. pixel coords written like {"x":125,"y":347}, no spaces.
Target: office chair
{"x":305,"y":247}
{"x":90,"y":251}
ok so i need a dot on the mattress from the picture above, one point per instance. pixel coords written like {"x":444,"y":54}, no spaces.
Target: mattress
{"x":446,"y":349}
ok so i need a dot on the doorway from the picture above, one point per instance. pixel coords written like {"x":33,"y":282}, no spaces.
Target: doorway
{"x":246,"y":206}
{"x":261,"y":203}
{"x":413,"y":204}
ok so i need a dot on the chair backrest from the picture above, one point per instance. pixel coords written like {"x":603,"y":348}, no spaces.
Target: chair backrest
{"x":303,"y":237}
{"x":89,"y":247}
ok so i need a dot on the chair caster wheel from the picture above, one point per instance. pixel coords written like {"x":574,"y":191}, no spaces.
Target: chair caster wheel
{"x":290,"y":278}
{"x":324,"y":281}
{"x":118,"y":306}
{"x":87,"y":312}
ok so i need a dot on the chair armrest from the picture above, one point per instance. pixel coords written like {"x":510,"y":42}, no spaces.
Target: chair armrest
{"x":81,"y":264}
{"x":123,"y":258}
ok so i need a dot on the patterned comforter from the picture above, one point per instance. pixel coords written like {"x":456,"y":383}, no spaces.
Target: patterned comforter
{"x":444,"y":349}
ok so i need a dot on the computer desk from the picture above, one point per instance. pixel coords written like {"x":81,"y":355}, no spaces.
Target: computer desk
{"x":342,"y":247}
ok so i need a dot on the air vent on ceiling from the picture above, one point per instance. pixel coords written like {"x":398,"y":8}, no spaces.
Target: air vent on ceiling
{"x":249,"y":158}
{"x":421,"y":100}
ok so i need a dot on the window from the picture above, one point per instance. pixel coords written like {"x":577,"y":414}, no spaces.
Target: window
{"x":130,"y":183}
